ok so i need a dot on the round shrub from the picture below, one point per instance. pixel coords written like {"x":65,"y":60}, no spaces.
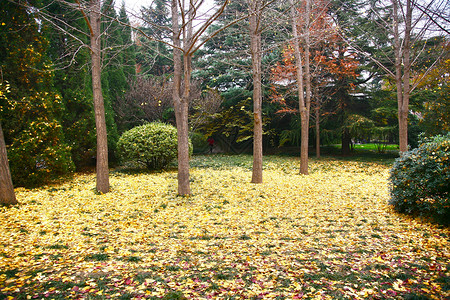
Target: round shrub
{"x":153,"y":145}
{"x":420,"y":180}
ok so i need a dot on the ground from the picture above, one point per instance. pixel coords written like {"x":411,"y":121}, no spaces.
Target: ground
{"x":329,"y":235}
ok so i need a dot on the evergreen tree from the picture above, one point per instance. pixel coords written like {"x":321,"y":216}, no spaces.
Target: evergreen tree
{"x":73,"y":81}
{"x":154,"y":57}
{"x":32,"y":112}
{"x":114,"y":82}
{"x":129,"y":51}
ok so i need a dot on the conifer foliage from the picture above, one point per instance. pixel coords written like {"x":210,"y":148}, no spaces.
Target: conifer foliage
{"x":32,"y":112}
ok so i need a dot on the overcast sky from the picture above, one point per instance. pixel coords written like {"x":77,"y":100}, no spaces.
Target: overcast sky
{"x":134,"y":6}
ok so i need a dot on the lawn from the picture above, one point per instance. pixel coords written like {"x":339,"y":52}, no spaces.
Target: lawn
{"x":329,"y":235}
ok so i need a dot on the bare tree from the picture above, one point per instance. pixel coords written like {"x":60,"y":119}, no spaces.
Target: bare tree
{"x":99,"y":107}
{"x":255,"y":14}
{"x":256,"y":11}
{"x":146,"y":101}
{"x":405,"y":24}
{"x":204,"y":105}
{"x":303,"y":77}
{"x":91,"y":13}
{"x":186,"y":40}
{"x":406,"y":31}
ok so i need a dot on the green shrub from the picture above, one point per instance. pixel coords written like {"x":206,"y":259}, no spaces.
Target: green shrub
{"x":153,"y":145}
{"x":420,"y":180}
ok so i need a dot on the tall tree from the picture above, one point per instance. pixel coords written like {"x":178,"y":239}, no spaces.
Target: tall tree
{"x":91,"y":14}
{"x":303,"y":77}
{"x":73,"y":80}
{"x":154,"y":56}
{"x":393,"y":42}
{"x":402,"y":67}
{"x":255,"y":26}
{"x":129,"y":51}
{"x":99,"y":108}
{"x":185,"y":42}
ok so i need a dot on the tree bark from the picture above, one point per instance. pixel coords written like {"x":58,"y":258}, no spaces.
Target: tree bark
{"x":180,"y":101}
{"x":402,"y":71}
{"x":304,"y":102}
{"x":99,"y":108}
{"x":255,"y":36}
{"x":317,"y":112}
{"x":7,"y":195}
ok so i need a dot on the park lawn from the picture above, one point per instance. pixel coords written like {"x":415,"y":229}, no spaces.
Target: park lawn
{"x":329,"y":235}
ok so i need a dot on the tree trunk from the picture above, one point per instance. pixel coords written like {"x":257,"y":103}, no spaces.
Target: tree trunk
{"x":304,"y":104}
{"x":99,"y":108}
{"x":317,"y":130}
{"x":255,"y":35}
{"x":305,"y":133}
{"x":181,"y":114}
{"x":180,"y":102}
{"x":402,"y":71}
{"x":7,"y":195}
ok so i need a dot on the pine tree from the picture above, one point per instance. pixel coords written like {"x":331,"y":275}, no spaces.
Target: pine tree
{"x":154,"y":57}
{"x":129,"y":51}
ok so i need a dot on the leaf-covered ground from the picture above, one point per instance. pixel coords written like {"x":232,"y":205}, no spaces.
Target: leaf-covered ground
{"x":329,"y":235}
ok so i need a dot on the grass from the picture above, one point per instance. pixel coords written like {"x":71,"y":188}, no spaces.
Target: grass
{"x":328,"y":235}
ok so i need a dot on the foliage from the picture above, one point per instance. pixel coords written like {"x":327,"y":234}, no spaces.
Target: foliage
{"x":329,"y":235}
{"x":32,"y":113}
{"x":72,"y":80}
{"x":435,"y":94}
{"x":420,"y":180}
{"x":234,"y":122}
{"x":153,"y":145}
{"x":37,"y":155}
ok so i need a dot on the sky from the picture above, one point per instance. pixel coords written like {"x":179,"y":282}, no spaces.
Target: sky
{"x":134,"y":6}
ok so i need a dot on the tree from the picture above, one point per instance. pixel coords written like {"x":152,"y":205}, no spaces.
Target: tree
{"x":303,"y":77}
{"x":316,"y":62}
{"x":147,"y":100}
{"x":184,"y":43}
{"x":435,"y":96}
{"x":71,"y":64}
{"x":99,"y":108}
{"x":129,"y":51}
{"x":255,"y":14}
{"x":393,"y":43}
{"x":91,"y":14}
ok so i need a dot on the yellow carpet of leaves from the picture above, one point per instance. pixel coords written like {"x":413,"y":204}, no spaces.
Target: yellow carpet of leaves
{"x":324,"y":236}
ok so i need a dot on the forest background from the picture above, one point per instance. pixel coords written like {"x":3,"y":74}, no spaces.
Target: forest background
{"x":47,"y":108}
